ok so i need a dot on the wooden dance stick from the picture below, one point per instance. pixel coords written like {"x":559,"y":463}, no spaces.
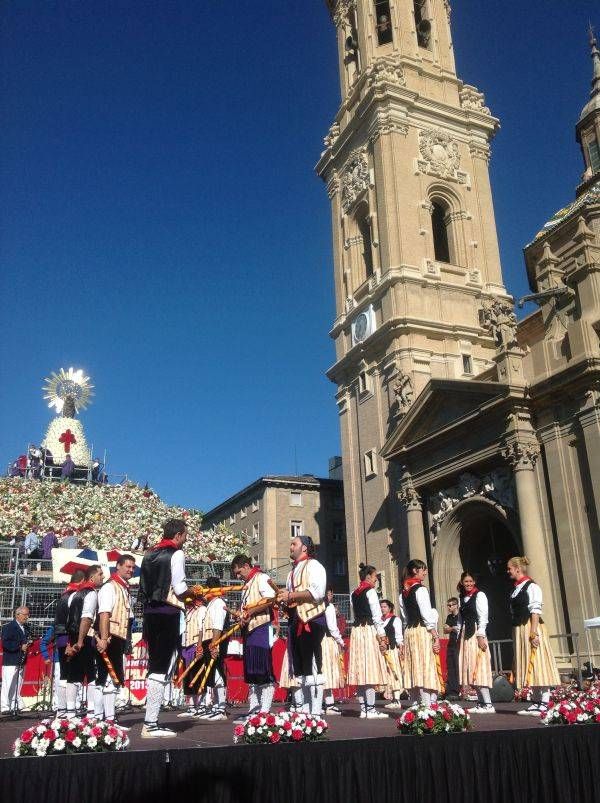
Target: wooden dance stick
{"x":438,"y":666}
{"x":477,"y":662}
{"x":530,"y":665}
{"x":111,"y":669}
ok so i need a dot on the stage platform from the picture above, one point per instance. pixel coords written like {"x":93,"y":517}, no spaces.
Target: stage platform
{"x":505,"y":758}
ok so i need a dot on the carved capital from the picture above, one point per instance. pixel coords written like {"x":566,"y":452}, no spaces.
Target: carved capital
{"x":410,"y":497}
{"x":521,"y":455}
{"x":385,"y":71}
{"x":332,"y":135}
{"x":333,"y":185}
{"x":472,"y":99}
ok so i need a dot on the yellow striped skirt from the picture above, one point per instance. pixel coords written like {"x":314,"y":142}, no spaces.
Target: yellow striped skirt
{"x":544,"y":672}
{"x":331,"y":663}
{"x":419,"y":660}
{"x":395,"y":673}
{"x":367,"y":665}
{"x":285,"y":681}
{"x":474,"y":665}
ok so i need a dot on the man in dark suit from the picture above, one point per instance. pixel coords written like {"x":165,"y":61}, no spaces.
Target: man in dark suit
{"x":15,"y":641}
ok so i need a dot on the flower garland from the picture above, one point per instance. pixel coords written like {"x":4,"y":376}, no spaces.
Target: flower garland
{"x":288,"y":726}
{"x":62,"y":736}
{"x":436,"y":718}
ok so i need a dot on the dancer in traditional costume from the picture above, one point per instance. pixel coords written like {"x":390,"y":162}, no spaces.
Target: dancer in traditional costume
{"x":57,"y":632}
{"x":421,"y":639}
{"x":395,"y":640}
{"x":79,"y":652}
{"x":333,"y":657}
{"x":475,"y":665}
{"x":216,"y":623}
{"x":115,"y":617}
{"x":191,"y":648}
{"x":304,"y":597}
{"x":162,"y":593}
{"x":367,"y":666}
{"x":256,"y":614}
{"x":535,"y":666}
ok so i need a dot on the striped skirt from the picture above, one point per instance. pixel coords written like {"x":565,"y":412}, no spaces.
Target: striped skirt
{"x":367,"y":665}
{"x":419,"y":660}
{"x":474,"y":665}
{"x":285,"y":681}
{"x":395,"y":674}
{"x":332,"y":657}
{"x":544,"y":672}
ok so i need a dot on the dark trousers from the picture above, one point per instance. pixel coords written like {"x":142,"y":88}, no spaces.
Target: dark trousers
{"x":452,"y":682}
{"x":218,"y":665}
{"x":305,"y":645}
{"x":161,"y":633}
{"x":115,"y":652}
{"x":82,"y":666}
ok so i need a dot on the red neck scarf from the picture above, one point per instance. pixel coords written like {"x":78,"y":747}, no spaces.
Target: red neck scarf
{"x":119,"y":581}
{"x":72,"y":587}
{"x":408,"y":584}
{"x":388,"y":616}
{"x":364,"y":586}
{"x":522,"y":580}
{"x":253,"y":572}
{"x":300,"y":559}
{"x":470,"y":593}
{"x":166,"y":543}
{"x":87,"y":584}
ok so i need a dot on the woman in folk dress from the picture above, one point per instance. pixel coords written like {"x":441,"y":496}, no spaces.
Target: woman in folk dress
{"x":475,"y":665}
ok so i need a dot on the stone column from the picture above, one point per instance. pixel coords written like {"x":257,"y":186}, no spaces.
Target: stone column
{"x":522,"y":457}
{"x":411,"y":500}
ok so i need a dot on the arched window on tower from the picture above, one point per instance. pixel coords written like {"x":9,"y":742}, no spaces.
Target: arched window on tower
{"x":383,"y":22}
{"x":422,"y":24}
{"x":363,"y":224}
{"x":439,"y":227}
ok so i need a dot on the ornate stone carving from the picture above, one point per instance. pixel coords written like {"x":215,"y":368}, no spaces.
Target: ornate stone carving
{"x":333,"y":185}
{"x":499,"y":318}
{"x":355,"y":178}
{"x":522,"y":455}
{"x":332,"y":135}
{"x":385,"y":125}
{"x":497,"y":485}
{"x":471,"y":98}
{"x":341,"y":11}
{"x":440,"y":155}
{"x":410,"y":497}
{"x":385,"y":71}
{"x":479,"y":151}
{"x":403,"y":391}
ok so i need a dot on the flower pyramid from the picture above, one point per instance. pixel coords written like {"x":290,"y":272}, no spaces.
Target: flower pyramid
{"x":105,"y":516}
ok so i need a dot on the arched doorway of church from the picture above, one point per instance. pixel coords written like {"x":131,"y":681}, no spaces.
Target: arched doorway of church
{"x":478,"y":536}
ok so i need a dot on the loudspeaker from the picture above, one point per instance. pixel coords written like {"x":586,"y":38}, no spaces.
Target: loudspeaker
{"x":502,"y":691}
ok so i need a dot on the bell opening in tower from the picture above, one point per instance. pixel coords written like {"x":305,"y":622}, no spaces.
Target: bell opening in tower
{"x":422,"y":23}
{"x":383,"y":22}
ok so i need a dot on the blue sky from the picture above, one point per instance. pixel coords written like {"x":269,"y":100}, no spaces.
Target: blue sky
{"x":162,"y":226}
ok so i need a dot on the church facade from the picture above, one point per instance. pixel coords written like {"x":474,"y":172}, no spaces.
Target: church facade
{"x":466,"y":437}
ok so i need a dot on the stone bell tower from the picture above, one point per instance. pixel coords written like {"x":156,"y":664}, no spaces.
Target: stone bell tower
{"x":416,"y":256}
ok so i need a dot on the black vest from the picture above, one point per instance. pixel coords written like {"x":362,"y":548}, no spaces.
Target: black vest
{"x":75,"y":611}
{"x":452,"y":621}
{"x":155,"y":576}
{"x":411,"y":606}
{"x":390,"y":632}
{"x":362,"y":609}
{"x":519,"y":606}
{"x":468,"y":612}
{"x":61,"y":616}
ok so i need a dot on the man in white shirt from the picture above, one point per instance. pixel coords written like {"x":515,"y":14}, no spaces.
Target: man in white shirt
{"x":304,"y":596}
{"x":115,"y":615}
{"x":162,"y":591}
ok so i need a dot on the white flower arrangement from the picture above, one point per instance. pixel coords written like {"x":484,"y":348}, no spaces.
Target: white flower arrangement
{"x":287,"y":726}
{"x":60,"y":736}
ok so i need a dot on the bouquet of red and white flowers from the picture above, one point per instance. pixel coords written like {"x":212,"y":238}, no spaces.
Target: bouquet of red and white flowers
{"x":60,"y":736}
{"x":442,"y":717}
{"x":523,"y":695}
{"x":583,"y":711}
{"x":288,"y":726}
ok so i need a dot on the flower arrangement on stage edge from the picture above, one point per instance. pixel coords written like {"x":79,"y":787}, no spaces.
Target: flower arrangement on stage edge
{"x":523,"y":695}
{"x":436,"y":718}
{"x":569,"y":706}
{"x":288,"y":726}
{"x":61,"y":736}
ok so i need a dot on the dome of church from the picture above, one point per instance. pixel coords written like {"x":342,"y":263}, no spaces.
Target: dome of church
{"x":590,"y":196}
